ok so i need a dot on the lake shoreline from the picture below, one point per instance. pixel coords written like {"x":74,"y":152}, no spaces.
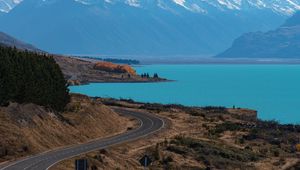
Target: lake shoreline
{"x":123,"y":81}
{"x":272,"y":90}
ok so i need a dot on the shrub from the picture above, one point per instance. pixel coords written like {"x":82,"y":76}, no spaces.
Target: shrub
{"x":276,"y":153}
{"x":241,"y":140}
{"x":226,"y":126}
{"x":215,"y":109}
{"x":218,"y":153}
{"x":177,"y":149}
{"x":156,"y":153}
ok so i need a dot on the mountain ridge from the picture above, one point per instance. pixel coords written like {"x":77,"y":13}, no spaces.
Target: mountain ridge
{"x":285,"y":7}
{"x":7,"y":40}
{"x":283,"y":42}
{"x":293,"y":21}
{"x":116,"y":28}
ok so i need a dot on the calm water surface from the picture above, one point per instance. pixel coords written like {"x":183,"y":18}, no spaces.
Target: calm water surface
{"x":273,"y":90}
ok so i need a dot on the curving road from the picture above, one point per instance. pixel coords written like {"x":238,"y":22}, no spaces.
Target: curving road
{"x":148,"y":124}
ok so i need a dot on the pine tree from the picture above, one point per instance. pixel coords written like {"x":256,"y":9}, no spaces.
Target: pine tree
{"x":27,"y":77}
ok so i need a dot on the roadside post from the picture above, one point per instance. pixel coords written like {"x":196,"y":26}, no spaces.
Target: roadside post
{"x":81,"y":164}
{"x":145,"y":161}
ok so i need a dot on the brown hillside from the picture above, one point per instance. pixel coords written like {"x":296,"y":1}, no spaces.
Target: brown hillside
{"x":201,"y":138}
{"x":78,"y":71}
{"x":29,"y":129}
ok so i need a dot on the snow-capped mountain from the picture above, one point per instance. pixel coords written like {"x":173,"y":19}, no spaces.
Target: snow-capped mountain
{"x":7,"y":5}
{"x":285,"y":7}
{"x":140,"y":27}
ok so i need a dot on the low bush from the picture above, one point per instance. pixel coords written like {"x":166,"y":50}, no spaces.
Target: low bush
{"x":226,"y":126}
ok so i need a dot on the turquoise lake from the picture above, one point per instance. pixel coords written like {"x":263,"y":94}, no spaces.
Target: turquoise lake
{"x":272,"y":90}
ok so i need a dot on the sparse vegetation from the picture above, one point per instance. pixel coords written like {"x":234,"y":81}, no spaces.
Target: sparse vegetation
{"x":226,"y":126}
{"x":212,"y":154}
{"x":208,"y":138}
{"x":199,"y":138}
{"x":274,"y":133}
{"x":194,"y":111}
{"x":27,"y":129}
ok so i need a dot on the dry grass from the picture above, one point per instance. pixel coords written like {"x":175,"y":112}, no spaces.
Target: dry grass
{"x":197,"y":128}
{"x":218,"y":132}
{"x":28,"y":129}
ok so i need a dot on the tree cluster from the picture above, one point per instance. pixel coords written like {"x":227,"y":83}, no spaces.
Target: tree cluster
{"x":122,"y":61}
{"x":113,"y":60}
{"x":27,"y":77}
{"x":146,"y":75}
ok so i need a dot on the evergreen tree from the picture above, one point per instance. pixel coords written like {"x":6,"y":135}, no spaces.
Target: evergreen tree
{"x":27,"y":77}
{"x":155,"y":75}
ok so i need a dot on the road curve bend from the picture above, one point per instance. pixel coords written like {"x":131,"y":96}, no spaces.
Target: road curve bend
{"x":149,"y":124}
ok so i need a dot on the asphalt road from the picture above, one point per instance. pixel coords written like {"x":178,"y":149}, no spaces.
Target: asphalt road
{"x":148,"y":124}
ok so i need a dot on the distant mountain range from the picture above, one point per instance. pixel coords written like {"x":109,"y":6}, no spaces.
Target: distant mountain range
{"x":283,"y":42}
{"x":139,"y":27}
{"x":286,"y":7}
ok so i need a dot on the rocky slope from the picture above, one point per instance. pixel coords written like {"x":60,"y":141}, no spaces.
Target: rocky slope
{"x":283,"y":42}
{"x":152,"y":28}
